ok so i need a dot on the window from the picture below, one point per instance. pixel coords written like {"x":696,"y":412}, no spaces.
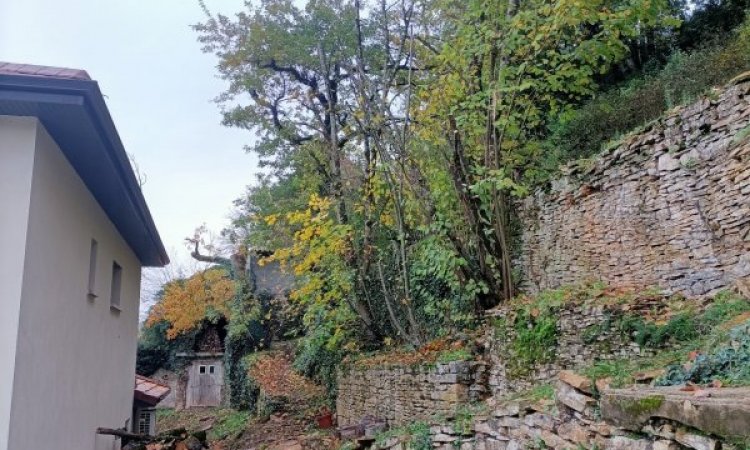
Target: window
{"x":201,"y":369}
{"x":92,"y":269}
{"x":145,"y":424}
{"x":114,"y":301}
{"x":211,"y":369}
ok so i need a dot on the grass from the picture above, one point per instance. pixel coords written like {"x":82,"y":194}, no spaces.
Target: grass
{"x":416,"y":433}
{"x":459,"y":354}
{"x":542,"y":392}
{"x":741,"y":135}
{"x":226,"y":422}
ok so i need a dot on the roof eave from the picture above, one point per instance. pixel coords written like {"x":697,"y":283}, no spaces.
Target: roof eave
{"x":98,"y":113}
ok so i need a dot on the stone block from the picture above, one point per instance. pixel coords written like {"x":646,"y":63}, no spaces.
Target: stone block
{"x":696,"y":441}
{"x":724,"y":412}
{"x":571,"y":398}
{"x":574,"y":432}
{"x":626,"y":443}
{"x":576,"y":381}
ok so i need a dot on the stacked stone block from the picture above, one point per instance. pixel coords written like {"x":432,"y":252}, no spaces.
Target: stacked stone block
{"x":667,"y":207}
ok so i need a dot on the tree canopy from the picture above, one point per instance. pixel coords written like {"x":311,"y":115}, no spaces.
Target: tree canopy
{"x":399,"y":137}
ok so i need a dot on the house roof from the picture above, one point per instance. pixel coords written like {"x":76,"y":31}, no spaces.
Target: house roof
{"x":149,"y":391}
{"x":72,"y":109}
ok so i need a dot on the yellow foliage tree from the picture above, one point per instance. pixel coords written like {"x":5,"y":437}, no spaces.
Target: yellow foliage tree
{"x":186,"y":303}
{"x":320,"y":244}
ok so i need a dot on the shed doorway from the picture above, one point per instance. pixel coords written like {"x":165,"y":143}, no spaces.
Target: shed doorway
{"x":205,"y":383}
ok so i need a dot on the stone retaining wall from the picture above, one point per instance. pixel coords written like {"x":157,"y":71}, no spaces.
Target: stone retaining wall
{"x":400,"y":394}
{"x":667,"y":207}
{"x":586,"y":333}
{"x":575,"y":423}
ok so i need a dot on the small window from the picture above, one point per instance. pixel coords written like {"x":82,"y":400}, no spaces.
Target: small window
{"x":201,"y":369}
{"x":145,"y":422}
{"x":211,"y":369}
{"x":116,"y":286}
{"x":92,"y":269}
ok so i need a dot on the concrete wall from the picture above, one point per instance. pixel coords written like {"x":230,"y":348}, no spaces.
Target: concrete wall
{"x":76,"y":356}
{"x":17,"y":136}
{"x":667,"y":207}
{"x":171,"y":379}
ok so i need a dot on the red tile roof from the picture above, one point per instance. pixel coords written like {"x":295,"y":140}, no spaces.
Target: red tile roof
{"x":149,"y":391}
{"x":7,"y":68}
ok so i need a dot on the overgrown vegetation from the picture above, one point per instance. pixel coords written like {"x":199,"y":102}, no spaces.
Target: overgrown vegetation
{"x":678,"y":326}
{"x":434,"y":352}
{"x":398,"y":139}
{"x":705,"y":346}
{"x":622,"y":108}
{"x":530,"y":323}
{"x":416,"y":435}
{"x":225,"y":422}
{"x":728,"y":363}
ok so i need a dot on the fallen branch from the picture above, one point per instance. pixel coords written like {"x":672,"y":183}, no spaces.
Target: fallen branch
{"x":123,"y":434}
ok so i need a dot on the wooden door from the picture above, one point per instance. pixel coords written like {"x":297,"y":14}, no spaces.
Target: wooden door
{"x":205,"y":383}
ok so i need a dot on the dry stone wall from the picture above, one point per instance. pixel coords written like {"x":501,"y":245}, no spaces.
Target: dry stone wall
{"x":575,"y":422}
{"x":400,"y":394}
{"x":585,"y":333}
{"x":668,"y":207}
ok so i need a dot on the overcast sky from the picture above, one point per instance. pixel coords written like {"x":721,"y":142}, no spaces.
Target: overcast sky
{"x":159,"y":87}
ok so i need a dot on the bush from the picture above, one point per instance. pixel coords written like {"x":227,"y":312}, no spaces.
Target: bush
{"x":586,"y":131}
{"x":156,"y":351}
{"x":319,"y":360}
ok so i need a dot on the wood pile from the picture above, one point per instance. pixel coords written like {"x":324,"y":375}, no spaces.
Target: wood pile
{"x":177,"y":439}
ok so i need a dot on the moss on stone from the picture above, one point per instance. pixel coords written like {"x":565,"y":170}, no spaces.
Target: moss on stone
{"x":640,"y":406}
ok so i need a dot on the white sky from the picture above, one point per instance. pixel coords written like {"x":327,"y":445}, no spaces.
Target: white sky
{"x":159,"y":88}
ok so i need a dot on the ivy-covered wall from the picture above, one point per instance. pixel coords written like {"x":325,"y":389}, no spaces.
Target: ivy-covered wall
{"x":667,"y":206}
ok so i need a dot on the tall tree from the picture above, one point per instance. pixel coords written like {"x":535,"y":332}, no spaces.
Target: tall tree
{"x":293,"y":65}
{"x":510,"y":67}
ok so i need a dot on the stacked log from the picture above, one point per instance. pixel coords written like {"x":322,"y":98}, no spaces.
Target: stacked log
{"x":177,"y":439}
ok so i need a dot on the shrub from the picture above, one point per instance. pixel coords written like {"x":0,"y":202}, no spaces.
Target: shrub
{"x":730,"y":363}
{"x":686,"y":75}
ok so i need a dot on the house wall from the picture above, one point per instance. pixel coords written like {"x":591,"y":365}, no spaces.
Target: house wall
{"x":76,"y":356}
{"x":17,"y":136}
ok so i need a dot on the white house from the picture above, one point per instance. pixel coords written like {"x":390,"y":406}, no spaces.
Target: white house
{"x":74,"y":233}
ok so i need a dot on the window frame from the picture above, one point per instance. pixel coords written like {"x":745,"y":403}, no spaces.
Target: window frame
{"x":93,"y":258}
{"x":116,"y":287}
{"x":146,"y":421}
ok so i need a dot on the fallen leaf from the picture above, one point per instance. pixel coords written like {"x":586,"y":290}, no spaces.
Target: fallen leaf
{"x":700,"y":393}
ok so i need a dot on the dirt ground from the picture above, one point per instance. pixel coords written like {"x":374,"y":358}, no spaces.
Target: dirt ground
{"x":232,"y":430}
